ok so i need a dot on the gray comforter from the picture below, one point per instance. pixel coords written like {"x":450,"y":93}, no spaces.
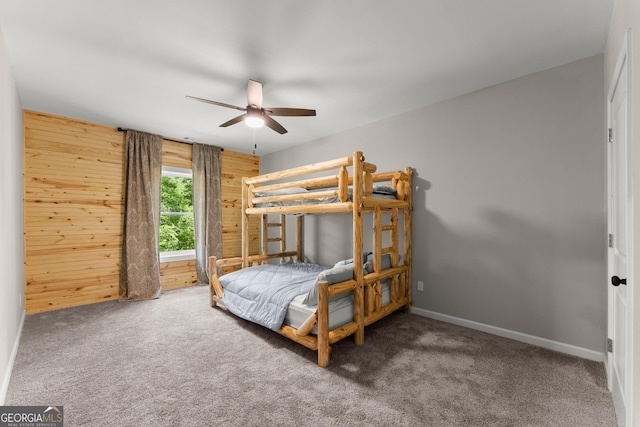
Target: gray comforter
{"x":263,"y":293}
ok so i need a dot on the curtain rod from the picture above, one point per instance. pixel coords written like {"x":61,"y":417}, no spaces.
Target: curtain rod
{"x":167,"y":139}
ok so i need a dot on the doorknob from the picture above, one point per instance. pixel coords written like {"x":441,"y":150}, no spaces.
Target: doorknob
{"x":616,"y":281}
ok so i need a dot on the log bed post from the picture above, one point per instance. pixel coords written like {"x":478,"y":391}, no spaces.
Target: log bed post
{"x":245,"y":223}
{"x":283,"y":235}
{"x":211,"y":266}
{"x":215,"y":289}
{"x":324,"y":349}
{"x":407,"y":237}
{"x":358,"y":302}
{"x":265,"y":234}
{"x":299,"y":238}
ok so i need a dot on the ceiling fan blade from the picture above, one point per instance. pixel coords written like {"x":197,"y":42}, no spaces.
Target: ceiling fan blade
{"x":299,"y":112}
{"x":233,"y":121}
{"x":221,"y":104}
{"x":254,"y":94}
{"x":269,"y":122}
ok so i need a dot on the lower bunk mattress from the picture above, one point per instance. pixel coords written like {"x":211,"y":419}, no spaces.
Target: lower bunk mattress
{"x":340,"y":310}
{"x":276,"y":294}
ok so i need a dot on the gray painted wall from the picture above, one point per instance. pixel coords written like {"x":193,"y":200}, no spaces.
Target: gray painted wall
{"x":509,"y":202}
{"x":11,"y":214}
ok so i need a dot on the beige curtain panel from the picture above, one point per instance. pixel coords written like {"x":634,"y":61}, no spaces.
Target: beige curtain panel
{"x":140,"y":271}
{"x":207,"y":206}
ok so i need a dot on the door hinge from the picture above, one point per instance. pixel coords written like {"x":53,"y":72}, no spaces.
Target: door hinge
{"x":610,"y":240}
{"x":609,"y":345}
{"x":610,"y":134}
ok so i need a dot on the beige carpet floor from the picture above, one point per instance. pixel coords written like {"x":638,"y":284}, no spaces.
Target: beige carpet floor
{"x":175,"y":361}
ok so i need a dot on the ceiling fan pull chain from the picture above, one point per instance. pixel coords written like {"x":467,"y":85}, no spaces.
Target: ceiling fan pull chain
{"x":255,"y":146}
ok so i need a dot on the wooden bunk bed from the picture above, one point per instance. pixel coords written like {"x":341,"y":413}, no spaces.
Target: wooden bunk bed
{"x":347,"y":185}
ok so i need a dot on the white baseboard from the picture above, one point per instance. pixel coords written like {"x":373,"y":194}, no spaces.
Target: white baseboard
{"x":516,"y":336}
{"x":9,"y":368}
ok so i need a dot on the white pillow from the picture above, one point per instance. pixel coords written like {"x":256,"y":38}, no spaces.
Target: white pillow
{"x":333,"y":275}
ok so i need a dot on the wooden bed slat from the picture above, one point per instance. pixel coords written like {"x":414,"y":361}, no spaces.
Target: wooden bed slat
{"x":308,"y":341}
{"x":309,"y":184}
{"x":308,"y":325}
{"x":304,"y":209}
{"x":342,"y":332}
{"x":295,"y":197}
{"x":301,"y":170}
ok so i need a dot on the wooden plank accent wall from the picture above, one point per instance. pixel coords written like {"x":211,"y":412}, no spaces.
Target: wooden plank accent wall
{"x":73,"y":208}
{"x":178,"y":274}
{"x":233,"y":169}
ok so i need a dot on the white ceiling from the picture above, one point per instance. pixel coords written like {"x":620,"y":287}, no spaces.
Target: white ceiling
{"x":130,"y":63}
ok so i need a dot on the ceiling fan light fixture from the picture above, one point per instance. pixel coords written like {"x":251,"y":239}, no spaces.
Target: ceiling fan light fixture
{"x":254,"y":119}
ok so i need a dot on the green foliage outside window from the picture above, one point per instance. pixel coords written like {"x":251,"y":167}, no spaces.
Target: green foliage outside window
{"x":176,"y":218}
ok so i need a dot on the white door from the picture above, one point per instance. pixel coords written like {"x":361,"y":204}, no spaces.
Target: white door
{"x":619,"y":328}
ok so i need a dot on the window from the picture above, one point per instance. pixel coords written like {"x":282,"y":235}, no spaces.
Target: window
{"x":177,"y":238}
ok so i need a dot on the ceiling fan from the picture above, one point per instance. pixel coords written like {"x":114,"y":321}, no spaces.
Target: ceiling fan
{"x":255,"y":114}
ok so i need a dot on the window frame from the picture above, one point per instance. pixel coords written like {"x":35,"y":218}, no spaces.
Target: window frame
{"x":186,"y":254}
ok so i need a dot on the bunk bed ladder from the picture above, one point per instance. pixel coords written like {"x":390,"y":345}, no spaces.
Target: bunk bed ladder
{"x":373,"y":293}
{"x":280,"y":236}
{"x":281,"y":228}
